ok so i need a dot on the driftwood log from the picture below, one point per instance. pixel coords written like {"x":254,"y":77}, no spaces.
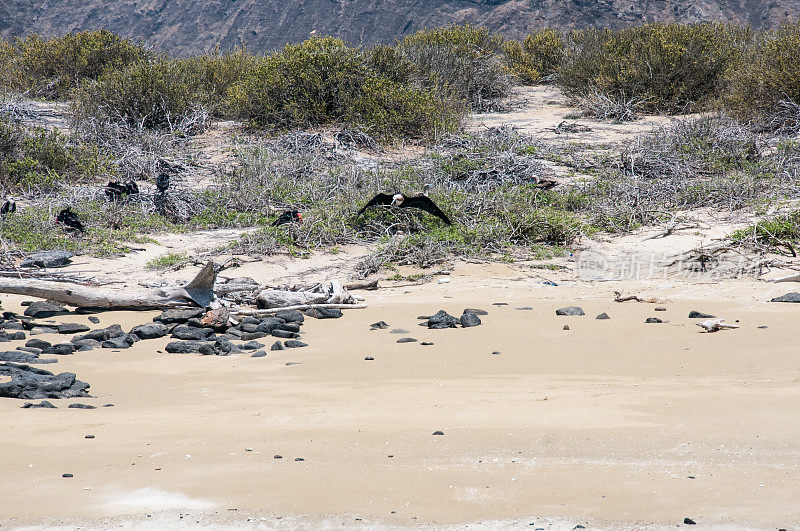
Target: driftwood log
{"x":334,"y":293}
{"x":198,"y":292}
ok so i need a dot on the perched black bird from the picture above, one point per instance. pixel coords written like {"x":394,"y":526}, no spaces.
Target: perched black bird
{"x":162,"y":182}
{"x":288,"y":216}
{"x":70,"y":219}
{"x":420,"y":201}
{"x":116,"y":191}
{"x":8,"y":207}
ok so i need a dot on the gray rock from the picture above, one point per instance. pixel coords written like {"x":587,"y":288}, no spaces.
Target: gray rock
{"x":277,"y":346}
{"x":294,"y":344}
{"x":789,"y":297}
{"x":19,"y":356}
{"x":426,"y":343}
{"x":524,"y":308}
{"x":469,"y":320}
{"x":31,"y":350}
{"x":252,"y":345}
{"x":653,"y":320}
{"x":184,"y":347}
{"x":38,"y":343}
{"x":249,"y":319}
{"x":442,"y":320}
{"x":92,"y":343}
{"x":42,"y":404}
{"x":566,"y":327}
{"x":398,"y":331}
{"x":380,"y":325}
{"x":603,"y":315}
{"x":223,"y":345}
{"x":258,"y":354}
{"x":660,"y":309}
{"x":269,"y":324}
{"x":283,"y":334}
{"x":47,"y":259}
{"x":43,"y":330}
{"x":60,"y":349}
{"x":249,"y":327}
{"x":290,"y":316}
{"x":101,"y":334}
{"x":13,"y":336}
{"x":85,"y":348}
{"x":290,"y":327}
{"x":12,"y":325}
{"x":81,"y":406}
{"x":191,"y":333}
{"x":570,"y":310}
{"x":694,"y":314}
{"x":476,"y":311}
{"x":178,"y":316}
{"x":324,"y":313}
{"x":32,"y":383}
{"x":118,"y":342}
{"x":149,"y":331}
{"x":406,"y":340}
{"x":249,"y":336}
{"x":93,"y":319}
{"x":72,"y":328}
{"x":44,"y":309}
{"x":235,"y":332}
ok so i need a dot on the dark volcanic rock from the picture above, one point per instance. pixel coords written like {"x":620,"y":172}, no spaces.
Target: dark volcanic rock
{"x":38,"y":343}
{"x":252,"y":345}
{"x":72,"y":328}
{"x":249,"y":336}
{"x":84,"y":348}
{"x":249,"y":319}
{"x":248,"y":327}
{"x":42,"y":404}
{"x":380,"y":325}
{"x":603,"y":315}
{"x":269,"y":324}
{"x":119,"y":342}
{"x":226,"y":347}
{"x":13,"y":336}
{"x":18,"y":356}
{"x":12,"y":325}
{"x":283,"y":333}
{"x":469,"y":320}
{"x":289,"y":327}
{"x":93,"y":319}
{"x":149,"y":331}
{"x":184,"y":347}
{"x":294,"y":344}
{"x":476,"y":311}
{"x":258,"y":354}
{"x":44,"y":309}
{"x":101,"y":334}
{"x":789,"y":297}
{"x":689,"y":521}
{"x":61,"y":349}
{"x":398,"y":331}
{"x":426,"y":343}
{"x":566,"y":327}
{"x":406,"y":340}
{"x":694,"y":314}
{"x":570,"y":310}
{"x":290,"y":316}
{"x":33,"y":383}
{"x":524,"y":308}
{"x":442,"y":320}
{"x":178,"y":316}
{"x":47,"y":259}
{"x":438,"y":432}
{"x":92,"y":343}
{"x":31,"y":350}
{"x":324,"y":313}
{"x":191,"y":333}
{"x":277,"y":346}
{"x":653,"y":320}
{"x":81,"y":406}
{"x":660,"y":309}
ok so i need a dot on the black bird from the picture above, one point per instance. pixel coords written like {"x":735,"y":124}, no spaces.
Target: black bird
{"x":288,"y":216}
{"x":71,"y":220}
{"x":162,"y":182}
{"x":420,"y":201}
{"x":115,"y":190}
{"x":8,"y":207}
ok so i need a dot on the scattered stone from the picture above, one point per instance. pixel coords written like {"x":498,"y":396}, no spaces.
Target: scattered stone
{"x":496,"y":353}
{"x":689,"y":521}
{"x":47,"y":259}
{"x":14,"y":336}
{"x":284,"y":334}
{"x":18,"y":356}
{"x":269,"y":324}
{"x":42,"y":404}
{"x":184,"y":347}
{"x":178,"y":316}
{"x":324,"y":313}
{"x":292,"y":363}
{"x":61,"y":349}
{"x":66,"y":475}
{"x":566,"y":327}
{"x":33,"y":383}
{"x":694,"y":314}
{"x":789,"y":297}
{"x":30,"y":350}
{"x":380,"y":325}
{"x":299,"y":459}
{"x":258,"y":354}
{"x":289,"y":327}
{"x":369,"y":358}
{"x":72,"y":328}
{"x":235,"y":332}
{"x":149,"y":331}
{"x":423,"y":317}
{"x":88,"y":436}
{"x":39,"y":330}
{"x":398,"y":331}
{"x":652,"y":320}
{"x":251,"y":345}
{"x":12,"y":325}
{"x":81,"y":406}
{"x":438,"y":432}
{"x":108,"y":405}
{"x":426,"y":343}
{"x":44,"y":309}
{"x":442,"y":320}
{"x":660,"y":309}
{"x":603,"y":315}
{"x":277,"y":456}
{"x":93,"y":319}
{"x":762,"y":327}
{"x":290,"y":316}
{"x":249,"y":336}
{"x":294,"y":344}
{"x":249,"y":319}
{"x":191,"y":333}
{"x":469,"y":320}
{"x":277,"y":346}
{"x":476,"y":311}
{"x":248,"y":327}
{"x":119,"y":342}
{"x":406,"y":340}
{"x":101,"y":334}
{"x":85,"y":348}
{"x":499,"y":304}
{"x":570,"y":310}
{"x":524,"y":308}
{"x":93,"y":343}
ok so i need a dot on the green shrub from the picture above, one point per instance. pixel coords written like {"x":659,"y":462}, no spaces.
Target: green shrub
{"x":215,"y":72}
{"x":460,"y":60}
{"x":52,"y":68}
{"x":766,"y":86}
{"x":536,"y":57}
{"x":669,"y":68}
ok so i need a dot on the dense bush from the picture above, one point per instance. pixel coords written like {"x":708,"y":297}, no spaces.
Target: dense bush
{"x":51,"y":68}
{"x":460,"y":60}
{"x":766,"y":86}
{"x":669,"y":68}
{"x":535,"y":57}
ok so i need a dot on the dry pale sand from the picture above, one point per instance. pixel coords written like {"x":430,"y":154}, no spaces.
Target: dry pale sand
{"x":613,"y":423}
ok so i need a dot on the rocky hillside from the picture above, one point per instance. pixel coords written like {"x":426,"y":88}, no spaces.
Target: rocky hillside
{"x":186,"y":26}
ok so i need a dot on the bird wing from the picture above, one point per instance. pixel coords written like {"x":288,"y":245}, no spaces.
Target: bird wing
{"x":425,"y":203}
{"x":380,"y":199}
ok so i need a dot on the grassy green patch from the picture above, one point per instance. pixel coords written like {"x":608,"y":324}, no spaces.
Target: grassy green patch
{"x":166,"y":260}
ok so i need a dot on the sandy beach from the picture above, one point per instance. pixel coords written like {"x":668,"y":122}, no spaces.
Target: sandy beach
{"x":612,"y":423}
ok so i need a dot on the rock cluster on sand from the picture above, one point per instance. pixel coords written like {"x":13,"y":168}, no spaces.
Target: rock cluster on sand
{"x":32,"y":383}
{"x":44,"y":309}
